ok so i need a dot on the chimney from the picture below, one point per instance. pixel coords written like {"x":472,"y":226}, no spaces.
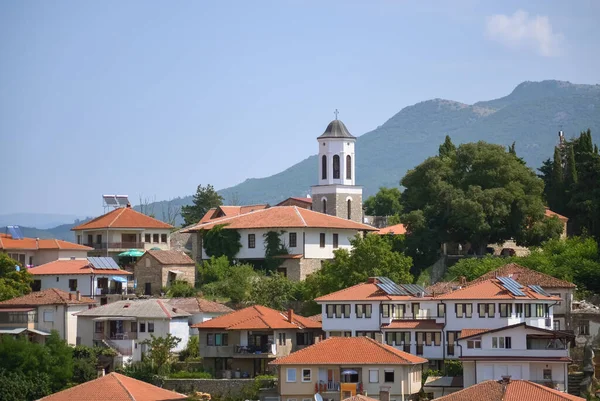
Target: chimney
{"x":462,"y":280}
{"x":504,"y":382}
{"x":372,"y":280}
{"x":384,"y":393}
{"x":379,"y":338}
{"x":70,"y":296}
{"x":78,"y":295}
{"x":101,"y":371}
{"x":290,"y":315}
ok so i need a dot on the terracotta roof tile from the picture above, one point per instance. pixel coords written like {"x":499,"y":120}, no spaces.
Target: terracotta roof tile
{"x":68,"y":266}
{"x":516,"y":390}
{"x":8,"y":243}
{"x":465,"y":333}
{"x":349,"y":350}
{"x":359,"y":397}
{"x":115,"y":387}
{"x":442,"y":287}
{"x":397,"y":229}
{"x":124,"y":217}
{"x":283,"y":217}
{"x":171,"y":257}
{"x":307,"y":202}
{"x":198,"y":305}
{"x":491,"y":289}
{"x":361,"y":292}
{"x":472,"y":332}
{"x":317,"y":318}
{"x":257,"y":317}
{"x":51,"y":296}
{"x":422,"y":324}
{"x":207,"y":216}
{"x":525,"y":277}
{"x":150,"y":308}
{"x":550,"y":213}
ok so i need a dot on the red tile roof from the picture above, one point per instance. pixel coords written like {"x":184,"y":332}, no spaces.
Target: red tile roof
{"x":115,"y":387}
{"x":77,"y":266}
{"x":124,"y":217}
{"x":471,"y":332}
{"x":525,"y":277}
{"x":492,"y":289}
{"x":171,"y":257}
{"x":229,"y":211}
{"x":282,"y":217}
{"x":51,"y":296}
{"x":290,"y":201}
{"x":258,"y":317}
{"x":550,"y":213}
{"x":423,"y":324}
{"x":349,"y":351}
{"x":359,"y":397}
{"x":317,"y":318}
{"x":361,"y":292}
{"x":442,"y":287}
{"x":397,"y":229}
{"x":465,"y":333}
{"x":197,"y":305}
{"x":516,"y":390}
{"x":8,"y":243}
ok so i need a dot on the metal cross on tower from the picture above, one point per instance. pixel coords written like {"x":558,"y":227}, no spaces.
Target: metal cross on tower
{"x":336,"y":112}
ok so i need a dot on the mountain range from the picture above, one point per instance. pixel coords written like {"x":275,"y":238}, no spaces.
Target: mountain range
{"x":531,"y":116}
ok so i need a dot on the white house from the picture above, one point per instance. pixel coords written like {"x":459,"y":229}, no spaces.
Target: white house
{"x":38,"y":313}
{"x":309,"y":237}
{"x":200,"y":309}
{"x":122,"y":229}
{"x":34,"y":251}
{"x":416,"y":322}
{"x":94,"y":277}
{"x":519,"y":351}
{"x":123,"y":325}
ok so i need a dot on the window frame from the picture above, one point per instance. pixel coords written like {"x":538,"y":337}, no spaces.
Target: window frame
{"x":304,"y":370}
{"x":385,"y":375}
{"x":148,"y":238}
{"x":150,"y":327}
{"x":336,"y":167}
{"x":293,"y":240}
{"x":163,"y":238}
{"x":336,"y":242}
{"x":348,"y":167}
{"x":322,"y":240}
{"x":71,"y":286}
{"x":155,"y":238}
{"x":251,"y":241}
{"x":287,"y":375}
{"x":371,"y":379}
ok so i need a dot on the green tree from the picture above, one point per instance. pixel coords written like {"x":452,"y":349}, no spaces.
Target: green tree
{"x":160,"y":354}
{"x":204,"y":199}
{"x":471,"y":268}
{"x":220,"y":241}
{"x":192,"y":350}
{"x":447,"y":149}
{"x":274,"y":247}
{"x":214,"y":269}
{"x":571,"y":176}
{"x":371,"y":256}
{"x":18,"y":386}
{"x":386,"y":202}
{"x":180,"y":289}
{"x":275,"y":291}
{"x":481,"y":195}
{"x":13,"y":283}
{"x":236,"y":284}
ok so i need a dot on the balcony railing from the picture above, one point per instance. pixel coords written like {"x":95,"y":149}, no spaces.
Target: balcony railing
{"x":130,"y":335}
{"x":110,"y":291}
{"x":252,"y":349}
{"x":116,"y":245}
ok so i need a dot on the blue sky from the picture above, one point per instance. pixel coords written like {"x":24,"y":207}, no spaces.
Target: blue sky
{"x":153,"y":98}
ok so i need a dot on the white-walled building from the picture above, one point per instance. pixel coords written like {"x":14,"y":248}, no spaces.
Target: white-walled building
{"x":309,"y":237}
{"x":34,"y":251}
{"x":123,"y":325}
{"x":38,"y":313}
{"x":122,"y":229}
{"x":90,"y":277}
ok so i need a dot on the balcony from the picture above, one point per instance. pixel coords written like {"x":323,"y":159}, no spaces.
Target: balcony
{"x":130,"y":335}
{"x":255,"y":351}
{"x":117,"y":245}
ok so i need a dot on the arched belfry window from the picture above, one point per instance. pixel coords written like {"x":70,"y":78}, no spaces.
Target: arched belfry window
{"x":348,"y":167}
{"x":349,"y":209}
{"x":324,"y":167}
{"x":336,"y":166}
{"x":325,"y":206}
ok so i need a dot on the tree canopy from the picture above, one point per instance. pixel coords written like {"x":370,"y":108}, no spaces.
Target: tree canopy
{"x":13,"y":283}
{"x":386,"y":202}
{"x":219,"y":241}
{"x":204,"y":199}
{"x":478,"y":194}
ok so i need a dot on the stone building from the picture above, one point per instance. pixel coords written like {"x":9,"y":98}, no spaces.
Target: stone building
{"x":158,"y":269}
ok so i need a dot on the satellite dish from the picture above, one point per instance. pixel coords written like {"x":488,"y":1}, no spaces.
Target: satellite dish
{"x":318,"y":397}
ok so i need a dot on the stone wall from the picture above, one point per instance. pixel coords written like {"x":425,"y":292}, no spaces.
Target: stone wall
{"x":337,"y":205}
{"x":299,"y":269}
{"x":149,"y":270}
{"x":214,"y":387}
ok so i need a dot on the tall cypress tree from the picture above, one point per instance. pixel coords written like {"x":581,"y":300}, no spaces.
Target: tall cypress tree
{"x":556,"y":195}
{"x":447,"y":149}
{"x":571,"y":176}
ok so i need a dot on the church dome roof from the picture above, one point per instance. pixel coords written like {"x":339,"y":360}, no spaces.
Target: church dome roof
{"x":336,"y":129}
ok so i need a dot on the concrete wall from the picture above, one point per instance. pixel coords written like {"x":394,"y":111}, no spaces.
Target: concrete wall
{"x":86,"y":283}
{"x":72,"y":322}
{"x":53,"y":317}
{"x":336,"y":146}
{"x":115,"y":236}
{"x":215,"y":387}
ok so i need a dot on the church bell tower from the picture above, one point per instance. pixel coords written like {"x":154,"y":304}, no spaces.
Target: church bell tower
{"x":336,"y":194}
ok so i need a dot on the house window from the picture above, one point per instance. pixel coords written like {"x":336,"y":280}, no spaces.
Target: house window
{"x":349,"y":205}
{"x":150,"y":327}
{"x":99,"y":327}
{"x":385,"y":310}
{"x":335,"y":241}
{"x":501,"y":342}
{"x":336,"y":166}
{"x":48,"y":316}
{"x":142,"y":327}
{"x":163,"y":238}
{"x":147,"y":238}
{"x":373,"y":375}
{"x":547,"y":374}
{"x":527,"y":310}
{"x":306,"y":375}
{"x":556,"y":325}
{"x":291,"y":372}
{"x":464,"y":310}
{"x":293,"y":240}
{"x":99,"y":239}
{"x":307,"y":338}
{"x":539,"y":310}
{"x":324,"y":206}
{"x":583,"y":327}
{"x":322,"y":240}
{"x":79,"y":239}
{"x":348,"y":167}
{"x":388,"y":376}
{"x":36,"y":286}
{"x":505,"y":310}
{"x":488,"y":310}
{"x":363,"y":310}
{"x":329,"y":310}
{"x":441,"y":310}
{"x":474,"y":343}
{"x":519,"y":310}
{"x":437,"y":338}
{"x":251,"y":240}
{"x":133,"y":327}
{"x":210,"y":339}
{"x":155,"y":238}
{"x":73,"y":284}
{"x":281,"y":339}
{"x":323,"y":170}
{"x":221,"y":339}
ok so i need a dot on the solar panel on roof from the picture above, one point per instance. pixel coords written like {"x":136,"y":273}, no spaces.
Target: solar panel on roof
{"x":539,"y":290}
{"x":15,"y":232}
{"x":413,"y":289}
{"x":389,"y":287}
{"x":103,"y":263}
{"x":122,"y":200}
{"x":512,"y":286}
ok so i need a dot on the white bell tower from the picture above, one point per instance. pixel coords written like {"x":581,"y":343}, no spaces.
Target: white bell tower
{"x":336,"y":193}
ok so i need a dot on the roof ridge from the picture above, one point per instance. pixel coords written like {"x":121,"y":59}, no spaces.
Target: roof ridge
{"x":300,"y":215}
{"x":118,"y":215}
{"x":112,"y":374}
{"x":335,"y":217}
{"x":226,"y":218}
{"x":164,"y":308}
{"x":393,"y":352}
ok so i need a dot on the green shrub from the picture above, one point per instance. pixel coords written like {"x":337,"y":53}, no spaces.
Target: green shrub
{"x":190,"y":375}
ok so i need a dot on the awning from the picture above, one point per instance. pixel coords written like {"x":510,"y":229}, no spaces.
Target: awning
{"x":41,"y":333}
{"x":13,"y":331}
{"x":119,"y":279}
{"x":100,"y":319}
{"x":16,"y":309}
{"x":176,"y":272}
